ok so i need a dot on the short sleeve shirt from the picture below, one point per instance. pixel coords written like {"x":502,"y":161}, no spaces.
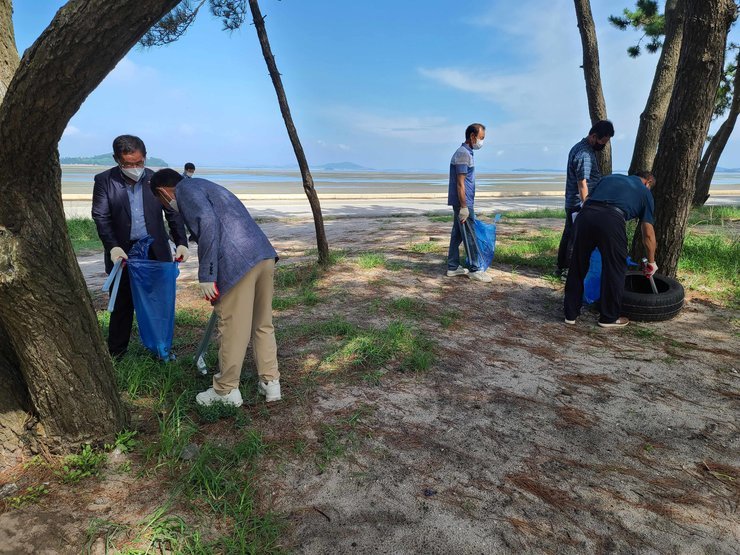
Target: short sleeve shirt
{"x":582,"y":164}
{"x":628,"y":193}
{"x":462,"y":163}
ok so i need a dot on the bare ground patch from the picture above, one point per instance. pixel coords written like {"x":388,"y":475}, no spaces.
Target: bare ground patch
{"x":523,"y":434}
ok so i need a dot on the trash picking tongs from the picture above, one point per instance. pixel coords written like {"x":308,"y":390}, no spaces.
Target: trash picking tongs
{"x":200,"y":361}
{"x":469,"y":242}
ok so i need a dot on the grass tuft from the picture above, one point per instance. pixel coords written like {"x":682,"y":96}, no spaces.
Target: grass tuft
{"x":370,"y":260}
{"x":84,"y":235}
{"x":534,"y":214}
{"x":538,"y":251}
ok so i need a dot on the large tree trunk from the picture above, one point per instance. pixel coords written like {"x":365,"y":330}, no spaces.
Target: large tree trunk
{"x":652,"y":118}
{"x":716,"y":146}
{"x":8,"y":51}
{"x":45,"y":308}
{"x":308,"y":187}
{"x":15,"y":404}
{"x":592,"y":74}
{"x":690,"y":111}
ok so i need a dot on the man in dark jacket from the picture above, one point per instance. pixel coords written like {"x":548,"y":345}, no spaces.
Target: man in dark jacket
{"x":236,"y":267}
{"x":125,"y":210}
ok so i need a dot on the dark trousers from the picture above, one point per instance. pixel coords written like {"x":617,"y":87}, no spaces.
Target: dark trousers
{"x":565,"y":250}
{"x":603,"y":227}
{"x":122,"y":317}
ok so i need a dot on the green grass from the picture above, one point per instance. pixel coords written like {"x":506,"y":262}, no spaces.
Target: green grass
{"x":218,"y":482}
{"x":440,"y":218}
{"x":428,"y":247}
{"x":296,"y":285}
{"x":370,"y":260}
{"x":349,"y":347}
{"x":86,"y":464}
{"x":534,"y":214}
{"x":84,"y":235}
{"x":536,"y":251}
{"x":32,"y":494}
{"x":337,"y":438}
{"x":335,"y":255}
{"x":374,"y":348}
{"x":712,"y":262}
{"x":413,"y":308}
{"x":714,"y":215}
{"x":448,"y":317}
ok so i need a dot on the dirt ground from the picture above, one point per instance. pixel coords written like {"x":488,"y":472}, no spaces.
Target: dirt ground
{"x":525,"y":436}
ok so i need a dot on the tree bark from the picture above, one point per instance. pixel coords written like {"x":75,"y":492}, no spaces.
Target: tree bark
{"x":687,"y":121}
{"x":15,"y":404}
{"x":8,"y":51}
{"x":656,"y":108}
{"x":716,"y":146}
{"x":308,"y":186}
{"x":45,"y":307}
{"x":592,"y":74}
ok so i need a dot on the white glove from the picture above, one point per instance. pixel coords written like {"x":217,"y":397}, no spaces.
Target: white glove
{"x":649,"y":269}
{"x":181,"y":253}
{"x":116,"y":253}
{"x":209,"y":289}
{"x":464,"y":214}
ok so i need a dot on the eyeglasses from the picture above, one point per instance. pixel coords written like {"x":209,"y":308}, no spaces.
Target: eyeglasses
{"x":130,"y":165}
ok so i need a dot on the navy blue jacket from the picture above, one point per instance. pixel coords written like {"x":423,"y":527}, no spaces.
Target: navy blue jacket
{"x":111,"y":211}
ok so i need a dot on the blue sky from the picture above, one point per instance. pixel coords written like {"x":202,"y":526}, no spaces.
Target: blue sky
{"x":381,"y":83}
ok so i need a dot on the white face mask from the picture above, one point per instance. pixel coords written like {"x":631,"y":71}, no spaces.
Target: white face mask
{"x":478,"y":144}
{"x":173,"y":205}
{"x":133,"y":173}
{"x":189,"y":174}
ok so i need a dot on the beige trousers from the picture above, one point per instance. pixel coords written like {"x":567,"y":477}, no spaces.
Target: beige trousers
{"x":245,"y":313}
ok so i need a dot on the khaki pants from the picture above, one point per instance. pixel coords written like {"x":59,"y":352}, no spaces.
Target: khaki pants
{"x":246,"y":312}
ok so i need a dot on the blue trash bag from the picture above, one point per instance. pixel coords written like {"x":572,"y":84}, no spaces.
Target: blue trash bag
{"x":153,"y":291}
{"x":481,"y":238}
{"x":592,"y":281}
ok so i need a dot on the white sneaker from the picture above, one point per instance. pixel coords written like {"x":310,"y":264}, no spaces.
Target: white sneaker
{"x":459,"y":272}
{"x":208,"y":397}
{"x":271,"y":390}
{"x":480,"y":276}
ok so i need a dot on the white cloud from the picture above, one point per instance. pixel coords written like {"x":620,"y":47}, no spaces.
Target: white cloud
{"x":186,"y":129}
{"x":338,"y":146}
{"x":71,"y":131}
{"x":543,"y":98}
{"x":413,"y":129}
{"x":127,"y":71}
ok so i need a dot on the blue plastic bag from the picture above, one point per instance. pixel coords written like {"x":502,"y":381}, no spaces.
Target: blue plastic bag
{"x":480,"y":242}
{"x":592,"y":281}
{"x":153,"y":291}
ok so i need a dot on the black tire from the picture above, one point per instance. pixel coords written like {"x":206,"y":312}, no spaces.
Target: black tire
{"x":641,"y":304}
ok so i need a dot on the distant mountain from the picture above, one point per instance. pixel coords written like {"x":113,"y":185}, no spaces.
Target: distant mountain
{"x":345,"y":166}
{"x":107,"y":160}
{"x":728,"y":170}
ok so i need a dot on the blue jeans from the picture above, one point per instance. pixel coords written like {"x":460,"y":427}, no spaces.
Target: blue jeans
{"x":456,"y":237}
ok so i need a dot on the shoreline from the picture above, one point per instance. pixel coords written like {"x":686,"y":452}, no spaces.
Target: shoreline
{"x":87,"y":197}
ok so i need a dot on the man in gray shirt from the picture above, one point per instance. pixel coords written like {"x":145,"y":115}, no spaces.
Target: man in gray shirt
{"x":582,"y":174}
